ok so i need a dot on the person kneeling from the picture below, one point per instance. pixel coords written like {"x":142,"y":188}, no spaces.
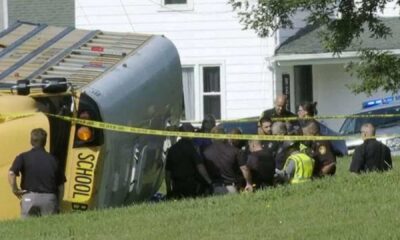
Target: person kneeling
{"x":298,"y":167}
{"x":320,"y":150}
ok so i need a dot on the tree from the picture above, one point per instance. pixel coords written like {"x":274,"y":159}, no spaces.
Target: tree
{"x":342,"y":22}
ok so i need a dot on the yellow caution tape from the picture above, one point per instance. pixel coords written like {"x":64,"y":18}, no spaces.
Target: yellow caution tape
{"x":251,"y":119}
{"x":144,"y":131}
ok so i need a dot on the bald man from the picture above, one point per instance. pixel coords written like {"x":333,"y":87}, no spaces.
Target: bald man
{"x":372,"y":155}
{"x":280,"y":111}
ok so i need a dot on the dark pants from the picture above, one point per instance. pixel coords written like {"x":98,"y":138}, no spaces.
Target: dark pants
{"x":182,"y":189}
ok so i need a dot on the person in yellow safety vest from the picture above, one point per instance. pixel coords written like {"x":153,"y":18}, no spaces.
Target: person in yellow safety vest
{"x":298,"y":167}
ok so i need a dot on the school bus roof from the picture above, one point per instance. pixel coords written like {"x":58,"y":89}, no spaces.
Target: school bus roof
{"x":38,"y":51}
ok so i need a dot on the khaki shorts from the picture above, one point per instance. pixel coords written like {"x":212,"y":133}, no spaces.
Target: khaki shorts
{"x":38,"y":204}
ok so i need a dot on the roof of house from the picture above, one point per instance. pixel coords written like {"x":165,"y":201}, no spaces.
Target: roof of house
{"x":307,"y":40}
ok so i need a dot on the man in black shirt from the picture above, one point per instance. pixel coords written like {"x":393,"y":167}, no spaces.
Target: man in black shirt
{"x":224,"y":163}
{"x":185,"y":174}
{"x":202,"y":143}
{"x":261,"y":164}
{"x":280,"y":111}
{"x":321,"y":151}
{"x":279,"y":147}
{"x":371,"y":155}
{"x":264,"y":126}
{"x":41,"y":178}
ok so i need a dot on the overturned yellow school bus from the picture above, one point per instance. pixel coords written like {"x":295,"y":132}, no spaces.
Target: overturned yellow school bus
{"x":123,"y":78}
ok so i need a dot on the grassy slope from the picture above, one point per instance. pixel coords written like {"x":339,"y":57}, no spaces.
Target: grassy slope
{"x":342,"y":207}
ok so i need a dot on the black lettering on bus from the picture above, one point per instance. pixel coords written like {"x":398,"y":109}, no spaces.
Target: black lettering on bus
{"x":84,"y":172}
{"x":90,"y":157}
{"x":83,"y":179}
{"x":82,"y":188}
{"x":75,"y":194}
{"x":80,"y":163}
{"x":84,"y":176}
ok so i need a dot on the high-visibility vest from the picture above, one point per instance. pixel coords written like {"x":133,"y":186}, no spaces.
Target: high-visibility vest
{"x":304,"y":166}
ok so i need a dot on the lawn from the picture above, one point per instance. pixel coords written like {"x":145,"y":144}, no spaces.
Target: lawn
{"x":346,"y":206}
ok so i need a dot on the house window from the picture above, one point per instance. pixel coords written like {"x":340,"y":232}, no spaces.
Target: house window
{"x":188,"y":93}
{"x":176,"y":5}
{"x":212,"y":91}
{"x":167,"y":2}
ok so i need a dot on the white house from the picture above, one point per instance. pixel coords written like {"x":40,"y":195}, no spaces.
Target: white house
{"x":224,"y":67}
{"x":227,"y":71}
{"x":307,"y":72}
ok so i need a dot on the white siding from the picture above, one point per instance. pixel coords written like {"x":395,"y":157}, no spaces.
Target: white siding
{"x":392,"y":9}
{"x":207,"y":34}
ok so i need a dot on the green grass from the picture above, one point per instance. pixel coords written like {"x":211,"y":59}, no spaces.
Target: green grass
{"x":342,"y":207}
